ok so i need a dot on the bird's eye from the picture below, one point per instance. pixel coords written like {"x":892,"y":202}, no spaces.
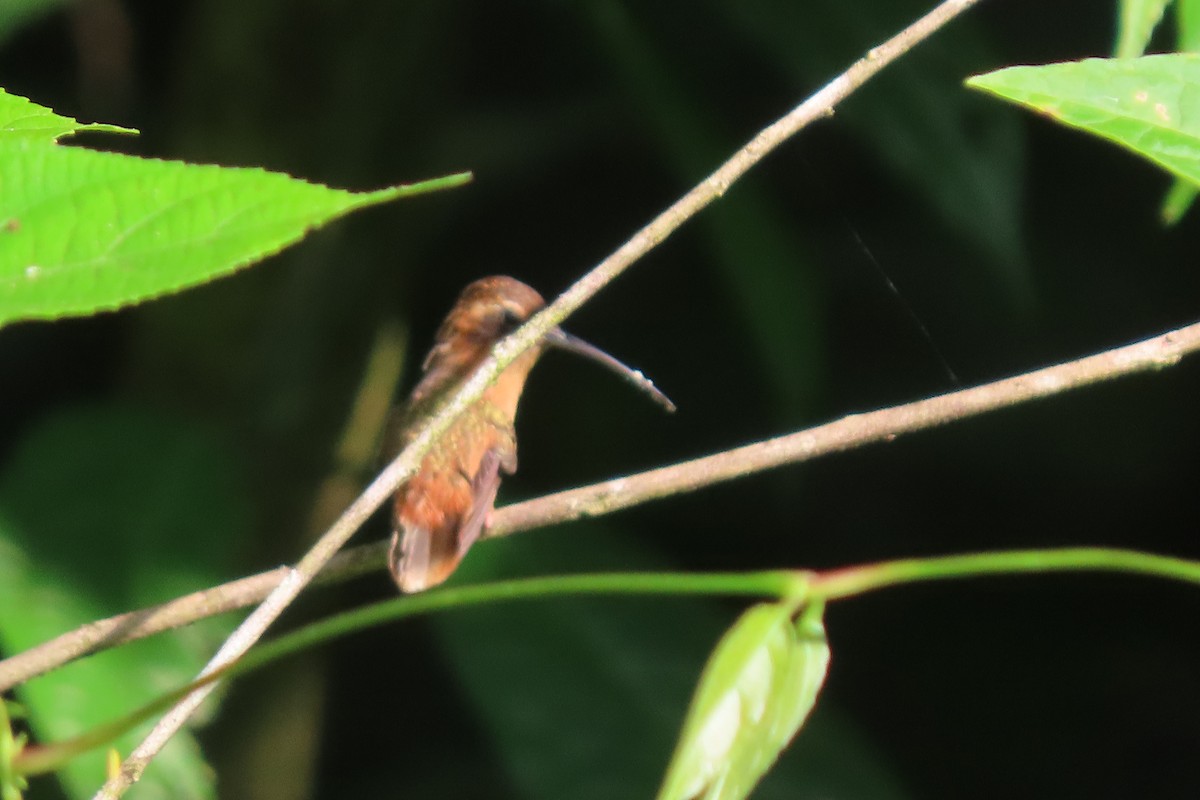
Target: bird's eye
{"x":510,"y":319}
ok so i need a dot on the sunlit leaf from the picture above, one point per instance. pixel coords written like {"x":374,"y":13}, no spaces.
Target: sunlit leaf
{"x":23,"y":118}
{"x":83,"y":231}
{"x":1149,"y":105}
{"x":758,"y":687}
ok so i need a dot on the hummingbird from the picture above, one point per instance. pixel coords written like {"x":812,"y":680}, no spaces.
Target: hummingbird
{"x":440,"y":511}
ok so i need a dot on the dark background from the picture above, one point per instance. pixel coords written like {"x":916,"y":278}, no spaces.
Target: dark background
{"x":1012,"y":243}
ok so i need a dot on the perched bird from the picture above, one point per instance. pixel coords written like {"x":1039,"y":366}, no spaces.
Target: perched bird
{"x":443,"y":508}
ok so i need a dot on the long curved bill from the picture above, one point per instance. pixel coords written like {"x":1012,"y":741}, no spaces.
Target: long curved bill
{"x":565,"y":341}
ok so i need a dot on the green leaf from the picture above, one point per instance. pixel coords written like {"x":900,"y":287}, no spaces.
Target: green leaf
{"x":11,"y":784}
{"x":102,"y":510}
{"x":1187,"y":16}
{"x":582,"y":698}
{"x":1136,"y":22}
{"x":1178,"y":200}
{"x":1181,"y":195}
{"x":1150,"y":105}
{"x":21,"y":118}
{"x":82,"y":231}
{"x":756,"y":691}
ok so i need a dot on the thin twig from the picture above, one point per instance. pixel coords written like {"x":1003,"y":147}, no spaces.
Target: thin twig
{"x":848,"y":432}
{"x":613,"y":495}
{"x":820,"y":104}
{"x":859,"y":580}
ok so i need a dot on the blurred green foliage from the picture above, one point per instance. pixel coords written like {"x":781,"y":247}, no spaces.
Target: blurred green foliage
{"x":104,"y":509}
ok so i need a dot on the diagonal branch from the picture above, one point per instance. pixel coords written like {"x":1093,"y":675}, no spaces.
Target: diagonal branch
{"x":818,"y":105}
{"x":613,"y":495}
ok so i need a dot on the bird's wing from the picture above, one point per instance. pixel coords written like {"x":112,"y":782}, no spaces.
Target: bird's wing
{"x":483,"y":488}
